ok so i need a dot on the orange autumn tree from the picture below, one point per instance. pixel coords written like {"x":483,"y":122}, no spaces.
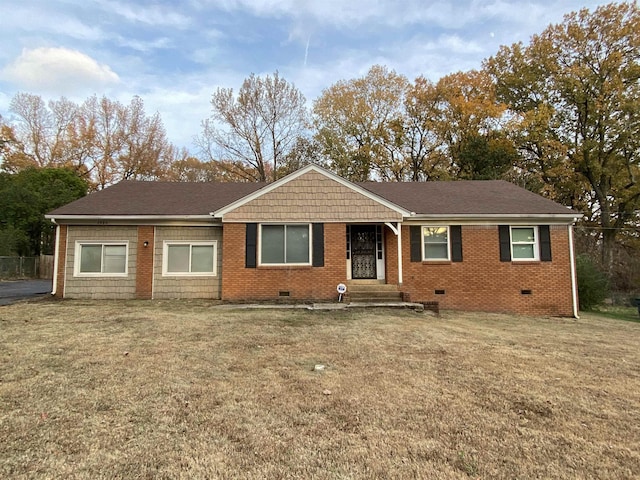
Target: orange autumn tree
{"x":575,"y":89}
{"x":103,"y":140}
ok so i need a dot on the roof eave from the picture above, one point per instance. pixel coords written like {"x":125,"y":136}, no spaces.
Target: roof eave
{"x":128,"y":217}
{"x":521,"y":217}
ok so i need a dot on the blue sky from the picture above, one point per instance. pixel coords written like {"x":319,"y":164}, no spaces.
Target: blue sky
{"x":174,"y":54}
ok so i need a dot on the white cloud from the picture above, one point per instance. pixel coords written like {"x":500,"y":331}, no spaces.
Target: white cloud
{"x":58,"y":70}
{"x":337,"y":12}
{"x":205,"y":55}
{"x":46,"y":19}
{"x":145,"y":45}
{"x":420,"y":55}
{"x":458,"y":15}
{"x":155,"y":15}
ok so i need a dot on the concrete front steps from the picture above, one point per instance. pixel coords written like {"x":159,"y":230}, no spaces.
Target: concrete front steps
{"x":372,"y":291}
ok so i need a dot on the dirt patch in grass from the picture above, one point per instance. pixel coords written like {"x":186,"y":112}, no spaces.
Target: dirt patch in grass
{"x":186,"y":390}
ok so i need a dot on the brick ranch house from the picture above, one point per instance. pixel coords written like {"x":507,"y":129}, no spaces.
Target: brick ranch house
{"x":469,"y":245}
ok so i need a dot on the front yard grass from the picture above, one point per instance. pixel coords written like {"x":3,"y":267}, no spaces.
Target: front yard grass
{"x":92,"y":390}
{"x":629,"y":314}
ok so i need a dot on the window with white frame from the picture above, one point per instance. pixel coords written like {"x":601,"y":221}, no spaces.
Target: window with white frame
{"x":101,"y":259}
{"x":285,"y":244}
{"x":189,"y":258}
{"x":524,"y":243}
{"x":435,"y":243}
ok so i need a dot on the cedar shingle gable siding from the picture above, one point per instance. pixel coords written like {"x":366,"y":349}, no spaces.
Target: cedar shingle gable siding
{"x":313,"y":197}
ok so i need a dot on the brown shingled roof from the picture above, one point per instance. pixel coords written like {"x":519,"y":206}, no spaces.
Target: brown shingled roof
{"x":493,"y":197}
{"x":466,"y":197}
{"x":158,"y":198}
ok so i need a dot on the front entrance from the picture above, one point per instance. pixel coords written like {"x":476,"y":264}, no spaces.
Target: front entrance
{"x":363,"y":251}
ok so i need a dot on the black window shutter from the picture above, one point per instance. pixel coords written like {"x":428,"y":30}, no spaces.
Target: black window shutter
{"x":251,"y":243}
{"x":545,"y":243}
{"x":505,"y":243}
{"x":456,"y":243}
{"x":318,"y":244}
{"x":415,"y":240}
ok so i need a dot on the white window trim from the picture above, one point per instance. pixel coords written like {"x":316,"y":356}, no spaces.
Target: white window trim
{"x":424,"y":253}
{"x":536,"y":243}
{"x":165,"y":258}
{"x":259,"y":246}
{"x":77,"y":258}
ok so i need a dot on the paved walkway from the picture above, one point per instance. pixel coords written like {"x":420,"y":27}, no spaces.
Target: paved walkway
{"x":11,"y":291}
{"x":320,"y":306}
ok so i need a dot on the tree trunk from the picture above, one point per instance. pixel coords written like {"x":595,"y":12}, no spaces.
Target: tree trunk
{"x":608,"y":247}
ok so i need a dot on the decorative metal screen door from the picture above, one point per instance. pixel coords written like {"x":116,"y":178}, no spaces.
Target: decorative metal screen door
{"x":363,"y":251}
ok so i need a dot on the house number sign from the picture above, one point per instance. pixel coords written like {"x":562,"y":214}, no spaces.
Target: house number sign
{"x":342,"y":289}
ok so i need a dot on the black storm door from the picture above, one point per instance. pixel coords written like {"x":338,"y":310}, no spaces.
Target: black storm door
{"x":363,"y":251}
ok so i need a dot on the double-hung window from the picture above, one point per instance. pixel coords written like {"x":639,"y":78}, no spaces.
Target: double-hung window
{"x":288,"y":244}
{"x":189,"y":258}
{"x":101,"y":259}
{"x":435,"y":241}
{"x":524,"y":243}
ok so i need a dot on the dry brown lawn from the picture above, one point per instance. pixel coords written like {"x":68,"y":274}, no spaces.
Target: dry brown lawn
{"x":94,"y":390}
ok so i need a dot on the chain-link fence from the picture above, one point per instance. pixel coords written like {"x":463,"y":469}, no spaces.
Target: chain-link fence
{"x":26,"y":267}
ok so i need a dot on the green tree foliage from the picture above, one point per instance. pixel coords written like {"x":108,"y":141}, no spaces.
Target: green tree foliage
{"x":12,"y":241}
{"x":486,"y":157}
{"x":24,"y":199}
{"x":468,"y":111}
{"x":575,"y":90}
{"x":593,"y":285}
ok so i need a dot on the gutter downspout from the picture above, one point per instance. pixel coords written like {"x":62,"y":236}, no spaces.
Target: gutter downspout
{"x":574,"y":286}
{"x":399,"y":254}
{"x":55,"y":258}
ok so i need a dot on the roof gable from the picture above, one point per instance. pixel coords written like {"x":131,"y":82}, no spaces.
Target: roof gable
{"x":312,"y":194}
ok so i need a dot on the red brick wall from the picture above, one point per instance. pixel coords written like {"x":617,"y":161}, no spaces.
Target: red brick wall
{"x":391,"y":255}
{"x":482,"y":282}
{"x":62,"y":260}
{"x":265,"y":283}
{"x":144,"y":262}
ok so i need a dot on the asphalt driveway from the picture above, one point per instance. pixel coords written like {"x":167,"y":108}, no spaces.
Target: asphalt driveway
{"x":11,"y":291}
